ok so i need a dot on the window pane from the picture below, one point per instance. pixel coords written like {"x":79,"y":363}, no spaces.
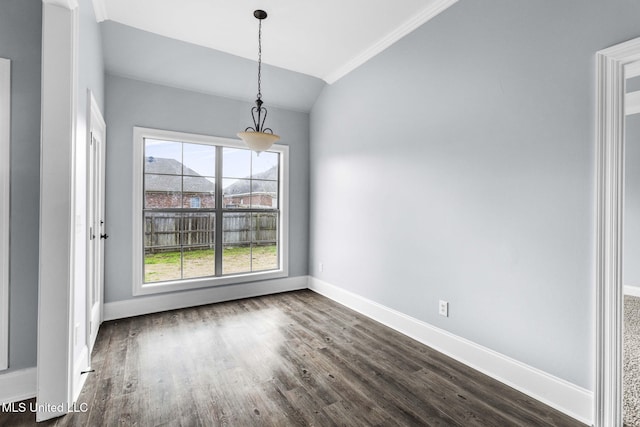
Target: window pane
{"x":198,"y":242}
{"x":264,"y":194}
{"x":162,"y":191}
{"x":237,"y":193}
{"x":164,"y":157}
{"x":199,"y":160}
{"x":265,"y":165}
{"x":236,"y":163}
{"x":180,"y":239}
{"x":264,"y":234}
{"x":162,"y":256}
{"x":264,"y":257}
{"x":236,"y":239}
{"x":198,"y":191}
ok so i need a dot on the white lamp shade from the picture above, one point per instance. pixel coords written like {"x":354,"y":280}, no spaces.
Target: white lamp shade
{"x":258,"y":141}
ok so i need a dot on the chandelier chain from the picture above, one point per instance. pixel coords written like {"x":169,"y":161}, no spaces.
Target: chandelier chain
{"x":259,"y":58}
{"x":258,"y":137}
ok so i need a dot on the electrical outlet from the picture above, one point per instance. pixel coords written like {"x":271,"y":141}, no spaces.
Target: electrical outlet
{"x":321,"y":267}
{"x":443,"y":308}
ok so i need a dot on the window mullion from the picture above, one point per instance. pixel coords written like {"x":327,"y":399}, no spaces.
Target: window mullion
{"x":181,"y":220}
{"x":219,"y":201}
{"x":251,"y":213}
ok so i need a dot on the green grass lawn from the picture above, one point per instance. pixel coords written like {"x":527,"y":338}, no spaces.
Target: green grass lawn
{"x":201,"y":262}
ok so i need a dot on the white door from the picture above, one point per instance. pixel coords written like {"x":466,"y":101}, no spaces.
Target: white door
{"x":97,"y":233}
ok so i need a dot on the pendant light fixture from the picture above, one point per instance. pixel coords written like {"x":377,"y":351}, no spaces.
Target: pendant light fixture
{"x":258,"y":137}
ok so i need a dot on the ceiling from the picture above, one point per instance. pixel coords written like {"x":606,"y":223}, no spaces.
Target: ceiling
{"x":140,"y":55}
{"x":325,"y":39}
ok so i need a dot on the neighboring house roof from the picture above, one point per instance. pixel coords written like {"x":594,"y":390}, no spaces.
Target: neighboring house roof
{"x":163,"y":175}
{"x":165,"y":166}
{"x":263,"y":182}
{"x":255,"y":193}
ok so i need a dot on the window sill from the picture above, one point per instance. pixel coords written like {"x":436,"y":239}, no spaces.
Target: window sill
{"x":205,"y":282}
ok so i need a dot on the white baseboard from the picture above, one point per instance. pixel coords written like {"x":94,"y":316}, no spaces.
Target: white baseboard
{"x":163,"y":302}
{"x":633,"y":291}
{"x":80,"y":364}
{"x":18,"y":385}
{"x":555,"y":392}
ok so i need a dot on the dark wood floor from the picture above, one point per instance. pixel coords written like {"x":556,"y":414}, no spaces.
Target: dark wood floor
{"x":289,"y":359}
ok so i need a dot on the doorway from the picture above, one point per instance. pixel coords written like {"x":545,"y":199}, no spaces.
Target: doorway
{"x":612,"y":64}
{"x":95,"y":220}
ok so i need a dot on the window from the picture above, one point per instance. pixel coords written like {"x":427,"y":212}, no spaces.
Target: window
{"x":207,"y":211}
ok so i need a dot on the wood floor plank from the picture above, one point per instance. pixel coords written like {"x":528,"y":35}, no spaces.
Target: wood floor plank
{"x":293,"y":359}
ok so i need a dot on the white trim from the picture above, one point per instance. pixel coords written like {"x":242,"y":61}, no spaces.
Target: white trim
{"x":610,"y":117}
{"x":633,"y":291}
{"x":95,"y":123}
{"x":632,"y":70}
{"x":18,"y":385}
{"x":57,"y":219}
{"x":163,"y":302}
{"x":555,"y":392}
{"x":80,"y":364}
{"x":433,"y":9}
{"x":95,"y":114}
{"x":100,"y":10}
{"x":67,"y":4}
{"x":632,"y":103}
{"x":140,"y":288}
{"x":5,"y":198}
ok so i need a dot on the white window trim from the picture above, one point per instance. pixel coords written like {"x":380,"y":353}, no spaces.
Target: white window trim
{"x":5,"y":188}
{"x":141,"y":288}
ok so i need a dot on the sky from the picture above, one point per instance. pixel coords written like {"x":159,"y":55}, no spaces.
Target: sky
{"x":237,"y":162}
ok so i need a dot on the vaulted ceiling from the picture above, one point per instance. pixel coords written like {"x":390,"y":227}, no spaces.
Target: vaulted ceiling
{"x":324,"y":39}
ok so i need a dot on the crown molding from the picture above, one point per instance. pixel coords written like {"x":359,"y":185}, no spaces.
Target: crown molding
{"x":431,"y":11}
{"x":67,"y":4}
{"x":100,"y":10}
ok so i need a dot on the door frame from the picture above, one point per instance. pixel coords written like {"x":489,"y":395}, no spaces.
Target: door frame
{"x":54,"y":369}
{"x":5,"y":188}
{"x":95,"y":123}
{"x":610,"y":120}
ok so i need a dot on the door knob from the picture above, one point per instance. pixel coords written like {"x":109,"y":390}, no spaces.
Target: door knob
{"x":104,"y":236}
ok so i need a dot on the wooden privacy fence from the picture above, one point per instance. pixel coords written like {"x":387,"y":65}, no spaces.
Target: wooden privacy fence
{"x":169,"y":231}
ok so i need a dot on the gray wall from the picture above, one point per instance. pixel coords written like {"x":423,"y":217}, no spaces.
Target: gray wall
{"x":150,"y":57}
{"x":631,"y":250}
{"x":90,"y":59}
{"x":459,"y":165}
{"x":132,"y":103}
{"x":20,"y":41}
{"x":633,"y":84}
